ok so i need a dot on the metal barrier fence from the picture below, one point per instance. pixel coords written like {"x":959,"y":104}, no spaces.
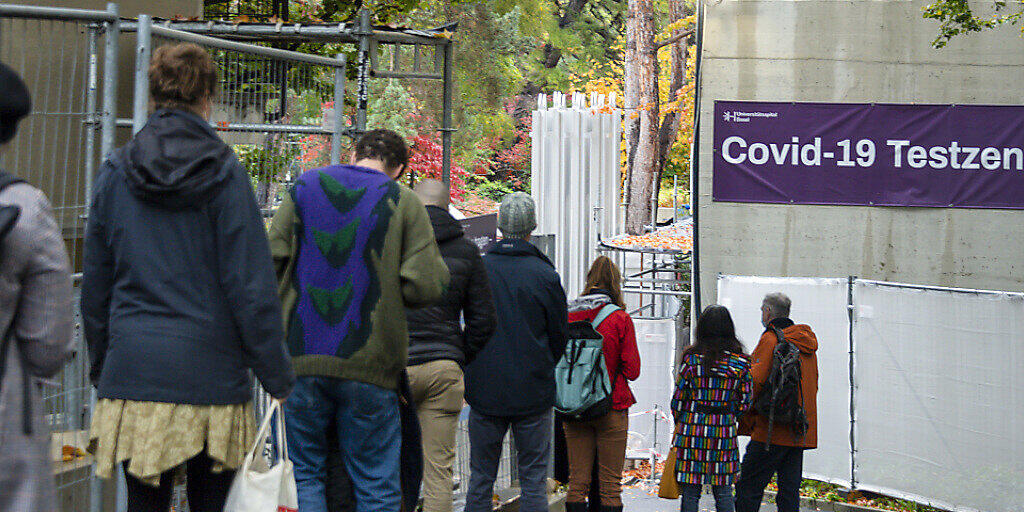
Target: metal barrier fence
{"x":274,"y":107}
{"x":281,"y":111}
{"x":919,"y":388}
{"x":59,"y":53}
{"x":67,"y":58}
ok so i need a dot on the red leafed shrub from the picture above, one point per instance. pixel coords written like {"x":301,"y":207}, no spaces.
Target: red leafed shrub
{"x":426,"y":162}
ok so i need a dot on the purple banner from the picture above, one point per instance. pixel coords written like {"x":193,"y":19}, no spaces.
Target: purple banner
{"x":966,"y":156}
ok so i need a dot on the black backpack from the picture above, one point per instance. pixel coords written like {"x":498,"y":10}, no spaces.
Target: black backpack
{"x":781,"y":397}
{"x":8,"y":217}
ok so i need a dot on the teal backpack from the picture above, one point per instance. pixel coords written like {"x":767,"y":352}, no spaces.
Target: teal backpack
{"x":583,"y":391}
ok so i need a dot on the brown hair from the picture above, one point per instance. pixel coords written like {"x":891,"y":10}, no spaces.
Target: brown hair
{"x":604,"y":275}
{"x":181,"y":76}
{"x":386,"y":146}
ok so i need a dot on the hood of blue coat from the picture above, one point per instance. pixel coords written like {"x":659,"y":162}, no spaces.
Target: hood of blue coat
{"x":177,"y":160}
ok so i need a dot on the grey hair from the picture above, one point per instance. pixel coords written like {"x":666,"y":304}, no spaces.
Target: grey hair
{"x":778,"y":304}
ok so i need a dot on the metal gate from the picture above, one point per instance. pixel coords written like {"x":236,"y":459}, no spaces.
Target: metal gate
{"x":67,"y":58}
{"x":274,"y":107}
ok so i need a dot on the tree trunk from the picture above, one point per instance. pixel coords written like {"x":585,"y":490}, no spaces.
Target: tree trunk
{"x":630,"y":99}
{"x":644,"y":81}
{"x":671,"y":123}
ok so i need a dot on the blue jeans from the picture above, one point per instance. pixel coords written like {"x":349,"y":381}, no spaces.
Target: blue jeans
{"x":532,"y":435}
{"x":369,"y":438}
{"x":724,"y":501}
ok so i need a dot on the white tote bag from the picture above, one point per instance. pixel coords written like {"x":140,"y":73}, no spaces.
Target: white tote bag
{"x":259,"y":487}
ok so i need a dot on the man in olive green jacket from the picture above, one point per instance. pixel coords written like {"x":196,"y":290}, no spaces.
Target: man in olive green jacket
{"x":353,"y":248}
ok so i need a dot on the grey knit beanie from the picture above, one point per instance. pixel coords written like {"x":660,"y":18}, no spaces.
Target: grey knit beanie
{"x":517,"y":216}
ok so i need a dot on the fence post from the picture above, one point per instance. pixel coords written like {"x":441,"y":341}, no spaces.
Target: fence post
{"x":143,"y":48}
{"x":339,"y":109}
{"x":851,"y":312}
{"x":110,"y":83}
{"x":91,"y":120}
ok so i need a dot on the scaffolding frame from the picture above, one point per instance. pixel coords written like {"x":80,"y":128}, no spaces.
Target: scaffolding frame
{"x":370,"y":42}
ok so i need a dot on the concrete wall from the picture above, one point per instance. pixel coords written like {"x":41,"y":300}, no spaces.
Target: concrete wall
{"x":853,"y":51}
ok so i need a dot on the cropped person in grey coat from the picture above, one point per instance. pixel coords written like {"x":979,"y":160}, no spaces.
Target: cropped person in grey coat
{"x":35,"y":321}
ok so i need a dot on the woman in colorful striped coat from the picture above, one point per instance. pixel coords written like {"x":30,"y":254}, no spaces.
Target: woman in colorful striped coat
{"x":714,"y":388}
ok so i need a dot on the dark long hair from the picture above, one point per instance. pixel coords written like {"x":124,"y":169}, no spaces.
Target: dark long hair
{"x":715,"y":335}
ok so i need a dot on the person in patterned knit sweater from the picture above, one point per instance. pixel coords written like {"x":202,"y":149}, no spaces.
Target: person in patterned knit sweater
{"x":714,"y":388}
{"x":353,"y":249}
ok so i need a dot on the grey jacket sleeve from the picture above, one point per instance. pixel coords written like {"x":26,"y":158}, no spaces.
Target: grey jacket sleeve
{"x":247,"y":279}
{"x":42,"y":322}
{"x":97,"y":282}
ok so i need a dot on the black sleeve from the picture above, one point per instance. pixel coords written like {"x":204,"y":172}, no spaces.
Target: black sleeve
{"x":478,"y":308}
{"x":247,"y":278}
{"x":558,"y":319}
{"x":97,"y":282}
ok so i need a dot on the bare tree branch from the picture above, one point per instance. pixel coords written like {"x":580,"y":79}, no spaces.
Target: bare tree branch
{"x":674,"y":39}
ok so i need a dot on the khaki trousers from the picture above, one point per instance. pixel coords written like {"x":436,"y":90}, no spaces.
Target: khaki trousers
{"x":437,"y":392}
{"x":606,"y":438}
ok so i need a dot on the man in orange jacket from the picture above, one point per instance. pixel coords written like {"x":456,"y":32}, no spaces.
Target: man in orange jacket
{"x":783,"y":454}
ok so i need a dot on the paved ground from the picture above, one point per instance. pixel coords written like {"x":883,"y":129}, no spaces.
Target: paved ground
{"x":638,"y":500}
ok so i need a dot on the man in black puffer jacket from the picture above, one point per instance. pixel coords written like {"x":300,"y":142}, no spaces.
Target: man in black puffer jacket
{"x":439,"y":346}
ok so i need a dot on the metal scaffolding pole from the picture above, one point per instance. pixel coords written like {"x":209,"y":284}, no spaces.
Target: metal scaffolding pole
{"x":365,"y":34}
{"x":110,"y":72}
{"x":446,"y":123}
{"x":143,"y":48}
{"x":339,"y":110}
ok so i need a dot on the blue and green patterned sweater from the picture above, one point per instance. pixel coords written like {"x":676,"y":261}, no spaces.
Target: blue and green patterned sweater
{"x":353,"y":249}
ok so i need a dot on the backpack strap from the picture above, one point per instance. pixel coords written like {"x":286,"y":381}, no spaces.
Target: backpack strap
{"x":8,"y":217}
{"x":603,"y":315}
{"x":8,"y":214}
{"x":7,"y":179}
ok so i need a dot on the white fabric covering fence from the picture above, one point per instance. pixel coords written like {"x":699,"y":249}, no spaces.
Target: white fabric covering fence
{"x":650,"y":421}
{"x":820,"y":303}
{"x":937,"y":396}
{"x":940,"y":395}
{"x":575,"y":178}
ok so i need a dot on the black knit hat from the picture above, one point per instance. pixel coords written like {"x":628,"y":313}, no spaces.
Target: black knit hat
{"x":15,"y":102}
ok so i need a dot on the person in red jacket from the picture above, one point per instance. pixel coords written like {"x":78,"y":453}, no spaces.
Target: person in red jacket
{"x":604,"y":437}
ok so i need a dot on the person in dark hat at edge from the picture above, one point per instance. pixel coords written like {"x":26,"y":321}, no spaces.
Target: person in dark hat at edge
{"x":35,"y":320}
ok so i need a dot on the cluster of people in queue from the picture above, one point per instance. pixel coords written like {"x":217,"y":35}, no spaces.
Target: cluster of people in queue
{"x":365,"y":311}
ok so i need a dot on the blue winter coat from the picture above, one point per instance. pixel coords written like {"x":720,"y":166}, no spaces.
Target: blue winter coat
{"x":179,"y":297}
{"x":514,"y":374}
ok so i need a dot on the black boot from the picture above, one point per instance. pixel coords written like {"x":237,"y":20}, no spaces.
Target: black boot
{"x":575,"y":506}
{"x":610,"y":508}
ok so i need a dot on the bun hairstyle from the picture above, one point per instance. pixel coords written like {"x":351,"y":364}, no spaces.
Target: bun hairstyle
{"x":181,"y":76}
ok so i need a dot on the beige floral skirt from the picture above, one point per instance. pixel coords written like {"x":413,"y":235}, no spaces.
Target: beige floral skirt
{"x":156,"y":437}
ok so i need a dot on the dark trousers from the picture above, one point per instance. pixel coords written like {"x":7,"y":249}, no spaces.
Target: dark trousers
{"x":690,"y":493}
{"x":532,"y":437}
{"x":205,"y":489}
{"x":760,"y":463}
